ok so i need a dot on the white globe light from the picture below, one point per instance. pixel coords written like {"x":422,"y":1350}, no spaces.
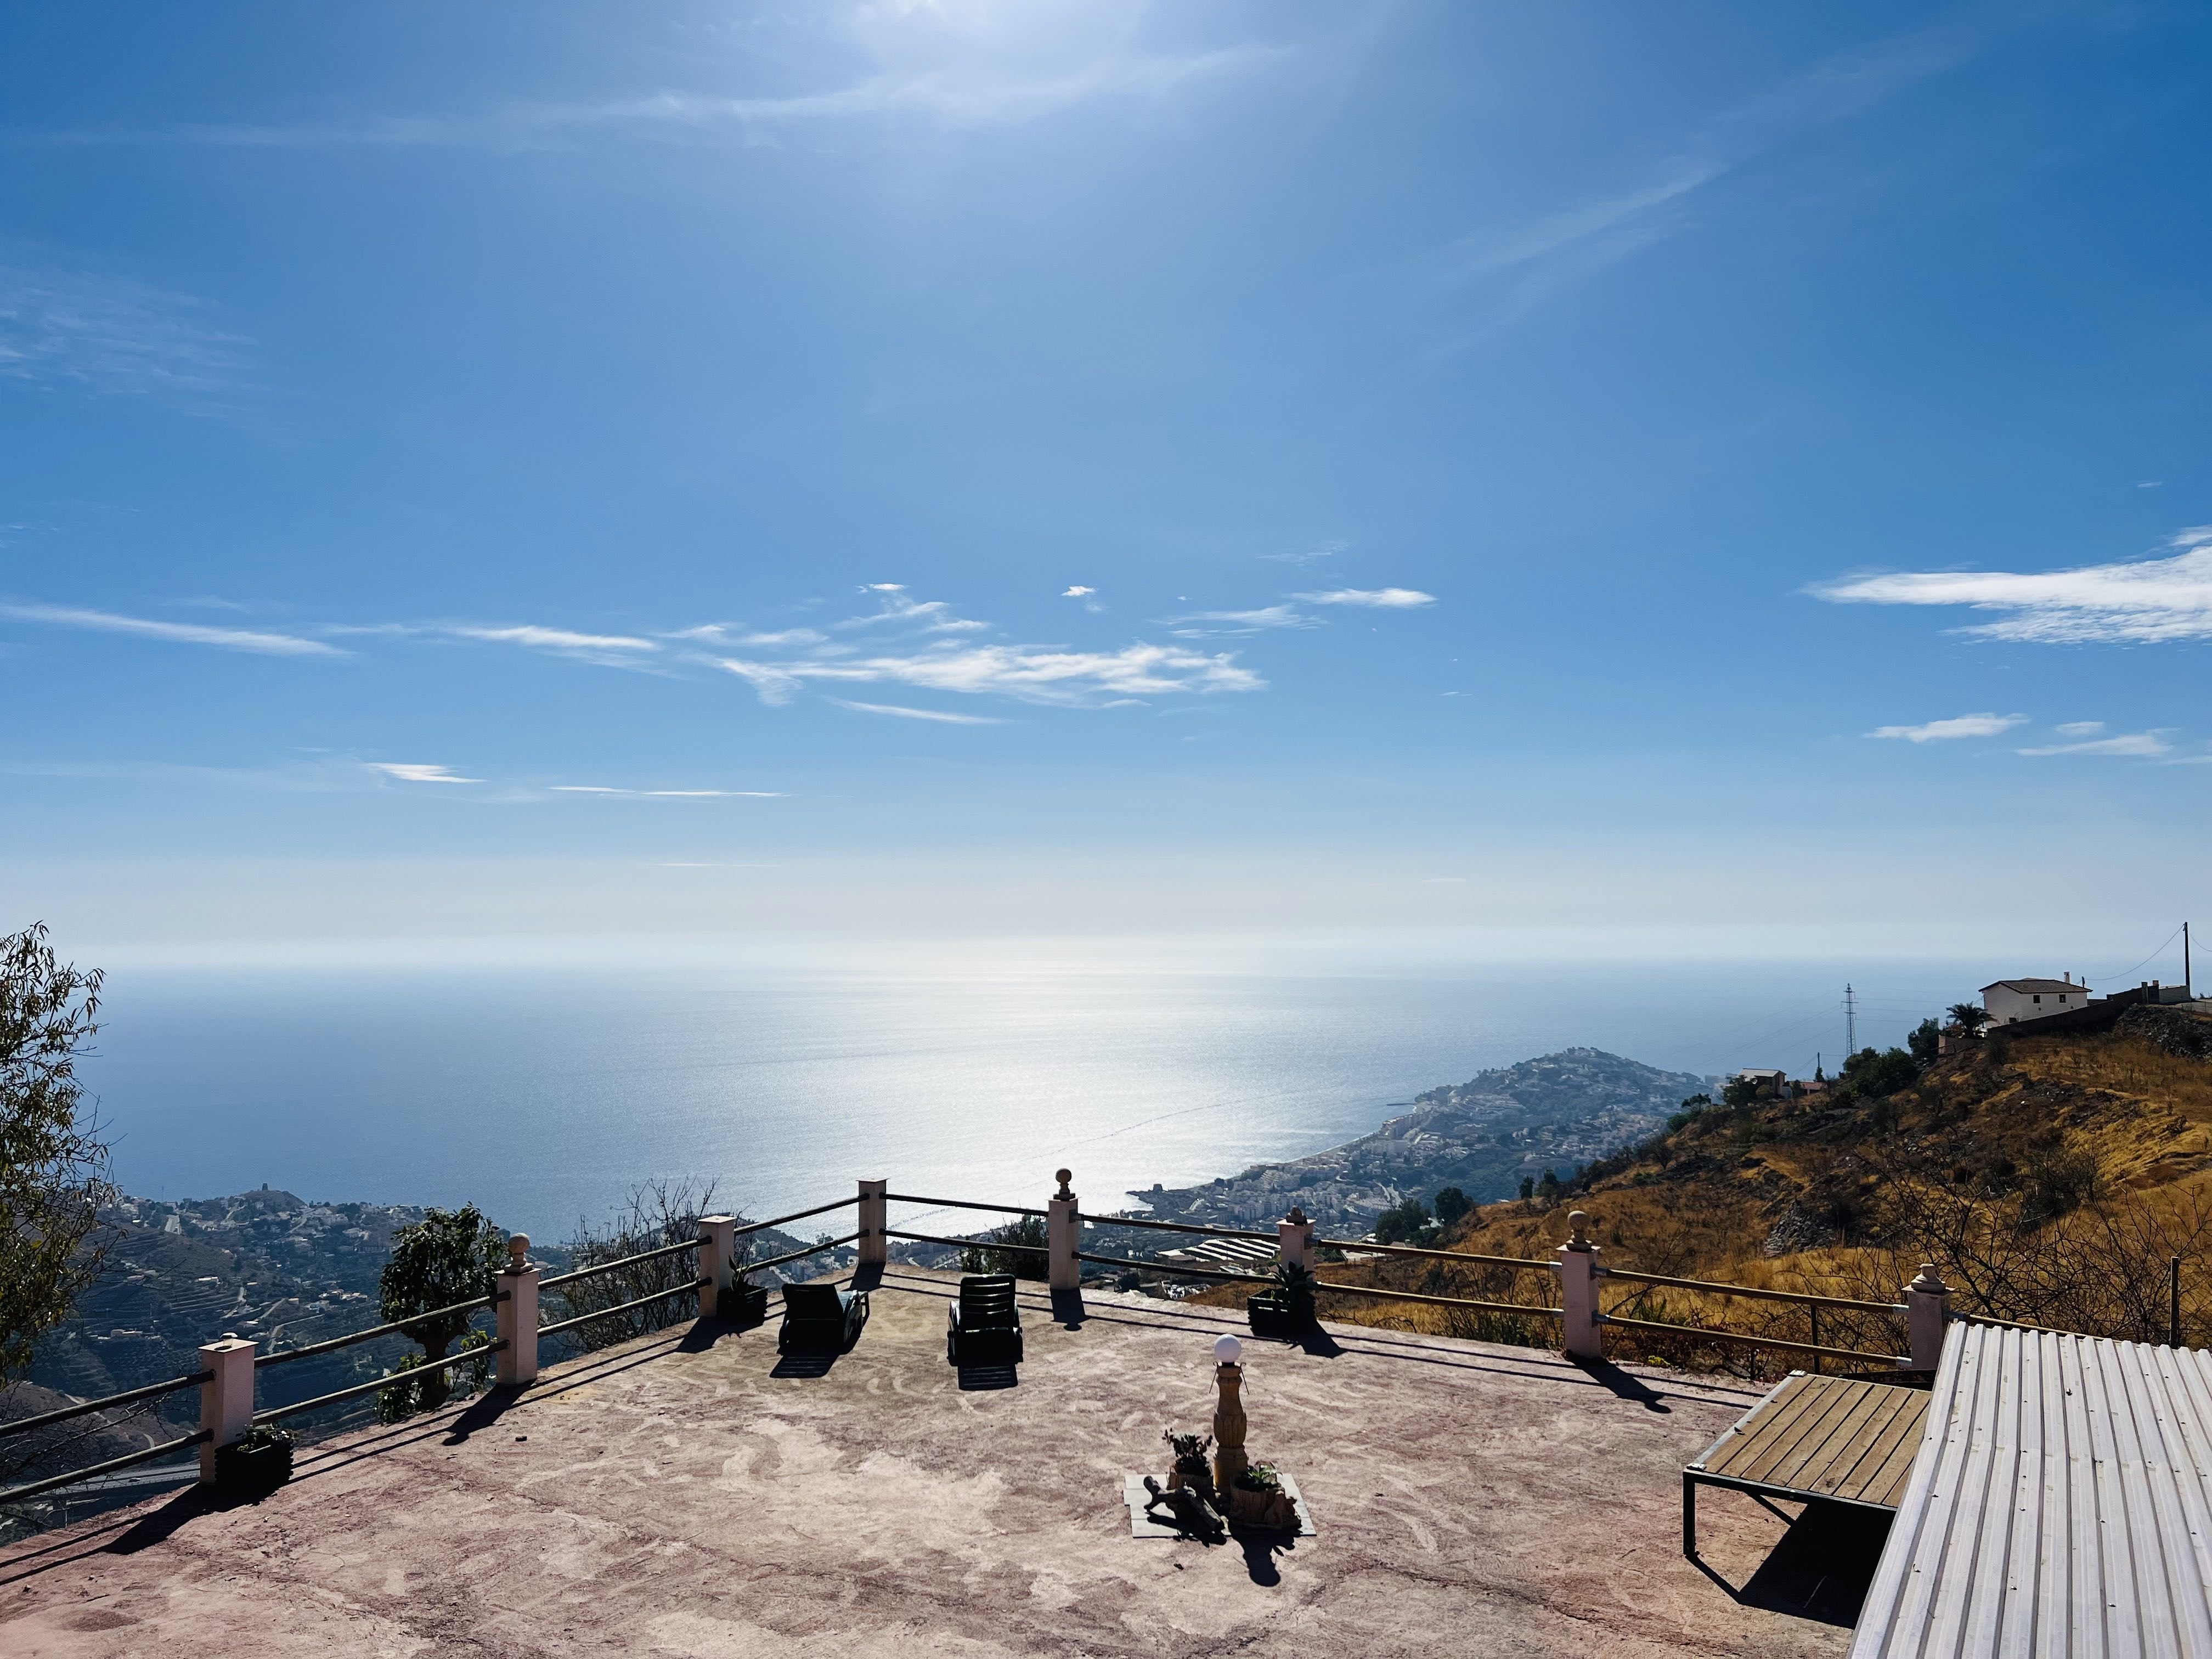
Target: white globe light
{"x":1226,"y":1351}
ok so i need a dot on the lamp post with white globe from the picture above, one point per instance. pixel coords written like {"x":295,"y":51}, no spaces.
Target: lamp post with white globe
{"x":1229,"y":1459}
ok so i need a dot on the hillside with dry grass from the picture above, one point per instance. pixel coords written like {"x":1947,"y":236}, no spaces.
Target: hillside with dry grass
{"x":2050,"y":1179}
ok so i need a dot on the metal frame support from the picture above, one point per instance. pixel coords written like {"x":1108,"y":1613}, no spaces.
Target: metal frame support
{"x":226,"y":1398}
{"x":875,"y":1221}
{"x":1063,"y":1236}
{"x":514,"y":1317}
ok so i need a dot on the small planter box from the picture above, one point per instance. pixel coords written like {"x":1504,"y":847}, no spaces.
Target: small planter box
{"x":1273,"y":1314}
{"x":251,"y":1471}
{"x":743,"y":1306}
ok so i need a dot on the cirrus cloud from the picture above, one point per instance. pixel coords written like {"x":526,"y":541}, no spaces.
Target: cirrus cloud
{"x":1960,"y":726}
{"x":1379,"y":599}
{"x":1042,"y":674}
{"x":255,"y":641}
{"x":2143,"y":601}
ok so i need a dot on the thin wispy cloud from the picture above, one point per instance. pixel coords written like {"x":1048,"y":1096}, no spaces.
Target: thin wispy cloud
{"x":1515,"y":267}
{"x":254,"y":640}
{"x":938,"y":715}
{"x":418,"y":772}
{"x":2146,"y":745}
{"x":895,"y":610}
{"x":1378,"y":598}
{"x":108,"y":336}
{"x":1220,"y":624}
{"x":2146,"y":601}
{"x":1960,"y":726}
{"x":1041,"y":674}
{"x":557,"y":639}
{"x":1306,"y":556}
{"x":944,"y":66}
{"x":727,"y":634}
{"x":664,"y":794}
{"x":2079,"y":728}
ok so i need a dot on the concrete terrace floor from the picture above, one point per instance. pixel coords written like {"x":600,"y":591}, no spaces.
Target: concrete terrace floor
{"x":679,"y":1496}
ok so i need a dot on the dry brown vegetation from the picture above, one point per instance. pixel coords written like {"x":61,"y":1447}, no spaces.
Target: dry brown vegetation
{"x":2050,"y":1179}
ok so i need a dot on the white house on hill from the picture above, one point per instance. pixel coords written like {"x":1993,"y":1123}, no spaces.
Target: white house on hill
{"x":2012,"y":1001}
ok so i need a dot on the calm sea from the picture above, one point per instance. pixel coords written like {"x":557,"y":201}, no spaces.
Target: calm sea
{"x":543,"y":1094}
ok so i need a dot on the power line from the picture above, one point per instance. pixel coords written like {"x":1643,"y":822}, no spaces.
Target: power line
{"x":2146,"y":961}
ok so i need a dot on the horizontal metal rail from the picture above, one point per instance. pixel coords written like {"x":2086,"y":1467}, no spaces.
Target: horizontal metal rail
{"x":1703,"y":1333}
{"x":1442,"y":1301}
{"x":1714,"y":1288}
{"x":959,"y":1204}
{"x":106,"y":1402}
{"x":33,"y":1488}
{"x":398,"y":1327}
{"x":623,"y":1307}
{"x":812,"y":1249}
{"x":1521,"y":1262}
{"x":1168,"y":1268}
{"x":620,"y":1262}
{"x":968,"y":1243}
{"x":390,"y":1380}
{"x":797,"y":1215}
{"x":1178,"y":1227}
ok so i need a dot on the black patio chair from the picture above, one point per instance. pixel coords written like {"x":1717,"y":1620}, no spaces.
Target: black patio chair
{"x":821,"y":1319}
{"x":985,"y":1326}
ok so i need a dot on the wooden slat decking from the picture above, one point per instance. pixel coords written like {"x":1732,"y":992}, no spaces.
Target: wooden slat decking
{"x":1814,"y":1437}
{"x":2060,"y":1504}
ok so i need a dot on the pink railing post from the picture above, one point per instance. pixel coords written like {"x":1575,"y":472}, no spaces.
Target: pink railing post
{"x":226,"y":1398}
{"x":514,"y":1317}
{"x":1578,"y":1292}
{"x":1063,"y":1236}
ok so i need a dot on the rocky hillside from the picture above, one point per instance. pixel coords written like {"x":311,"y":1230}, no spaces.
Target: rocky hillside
{"x":2051,"y":1179}
{"x":1484,"y":1136}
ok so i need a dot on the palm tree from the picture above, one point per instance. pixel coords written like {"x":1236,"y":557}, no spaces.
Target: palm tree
{"x":1968,"y":1017}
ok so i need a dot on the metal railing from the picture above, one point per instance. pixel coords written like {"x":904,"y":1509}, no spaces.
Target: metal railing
{"x":105,"y":1402}
{"x":476,"y":1354}
{"x":1523,"y":1264}
{"x":1757,"y":1292}
{"x":1705,"y":1334}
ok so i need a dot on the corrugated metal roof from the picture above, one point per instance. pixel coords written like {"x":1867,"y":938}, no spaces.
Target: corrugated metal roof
{"x":2060,"y":1505}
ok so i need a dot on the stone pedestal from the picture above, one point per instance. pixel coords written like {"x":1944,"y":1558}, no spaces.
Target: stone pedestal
{"x":514,"y":1317}
{"x":1927,"y":1312}
{"x":226,"y":1398}
{"x":1578,"y":1307}
{"x":1063,"y":1236}
{"x":874,"y":1219}
{"x":1229,"y":1458}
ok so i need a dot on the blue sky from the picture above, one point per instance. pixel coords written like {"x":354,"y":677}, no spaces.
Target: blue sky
{"x":1710,"y":471}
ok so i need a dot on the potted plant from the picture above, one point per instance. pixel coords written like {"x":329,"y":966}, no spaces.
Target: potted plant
{"x":744,"y":1304}
{"x":1285,"y":1308}
{"x":1257,"y":1499}
{"x":257,"y":1462}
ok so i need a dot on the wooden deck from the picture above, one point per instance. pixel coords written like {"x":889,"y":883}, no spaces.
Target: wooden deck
{"x":1814,"y":1438}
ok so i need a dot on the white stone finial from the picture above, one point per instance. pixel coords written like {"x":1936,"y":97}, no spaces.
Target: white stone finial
{"x":1579,"y":1229}
{"x":1929,"y":1282}
{"x":517,"y":1253}
{"x":1227,"y":1350}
